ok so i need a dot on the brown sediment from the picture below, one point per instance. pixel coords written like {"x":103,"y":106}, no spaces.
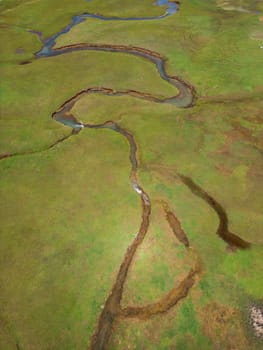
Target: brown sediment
{"x":25,"y":62}
{"x":67,"y":105}
{"x":6,"y":155}
{"x":175,"y":226}
{"x":123,"y":48}
{"x":16,"y":154}
{"x":180,"y":291}
{"x":168,"y":301}
{"x":112,"y":309}
{"x":186,"y":96}
{"x":222,"y":231}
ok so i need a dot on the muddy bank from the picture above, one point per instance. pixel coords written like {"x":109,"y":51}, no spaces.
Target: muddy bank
{"x":49,"y":44}
{"x":222,"y":230}
{"x":186,"y":96}
{"x":16,"y":154}
{"x":168,"y":301}
{"x":175,"y":225}
{"x":233,"y":240}
{"x":112,"y":309}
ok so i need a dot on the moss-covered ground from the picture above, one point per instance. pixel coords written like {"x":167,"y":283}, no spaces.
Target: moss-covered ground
{"x":69,"y":213}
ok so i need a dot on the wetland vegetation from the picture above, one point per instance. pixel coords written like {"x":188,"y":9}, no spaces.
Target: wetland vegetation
{"x":132,"y":219}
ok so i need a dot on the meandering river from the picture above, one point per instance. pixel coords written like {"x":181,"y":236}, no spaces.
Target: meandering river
{"x":112,"y":310}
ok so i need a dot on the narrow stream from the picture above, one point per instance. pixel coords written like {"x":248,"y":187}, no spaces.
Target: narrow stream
{"x":47,"y":49}
{"x":185,"y":98}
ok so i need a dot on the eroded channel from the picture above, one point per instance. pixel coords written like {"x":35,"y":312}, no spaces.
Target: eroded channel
{"x":112,"y":310}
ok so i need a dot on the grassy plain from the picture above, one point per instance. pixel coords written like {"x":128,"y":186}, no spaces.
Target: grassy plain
{"x":58,"y":233}
{"x":29,"y":92}
{"x":198,"y":34}
{"x":69,"y":213}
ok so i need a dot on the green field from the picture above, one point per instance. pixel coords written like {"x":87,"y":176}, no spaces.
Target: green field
{"x":69,"y":212}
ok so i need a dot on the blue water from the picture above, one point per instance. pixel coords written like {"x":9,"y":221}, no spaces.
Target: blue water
{"x":49,"y":43}
{"x":171,"y":6}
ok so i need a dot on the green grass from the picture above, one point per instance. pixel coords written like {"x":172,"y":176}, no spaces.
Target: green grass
{"x":157,"y":265}
{"x":60,"y":245}
{"x":29,"y":93}
{"x":193,"y":144}
{"x":70,"y":213}
{"x":211,"y":49}
{"x":58,"y":14}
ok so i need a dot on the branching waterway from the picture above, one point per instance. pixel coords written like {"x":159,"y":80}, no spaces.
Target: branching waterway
{"x":112,"y":310}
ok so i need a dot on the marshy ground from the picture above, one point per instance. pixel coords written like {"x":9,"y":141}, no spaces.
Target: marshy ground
{"x":191,"y":276}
